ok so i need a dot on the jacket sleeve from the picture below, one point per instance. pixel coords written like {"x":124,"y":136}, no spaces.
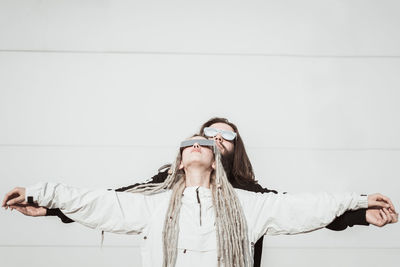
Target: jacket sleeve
{"x":349,"y":218}
{"x":158,"y":178}
{"x":59,"y":214}
{"x":109,"y":211}
{"x":275,"y":214}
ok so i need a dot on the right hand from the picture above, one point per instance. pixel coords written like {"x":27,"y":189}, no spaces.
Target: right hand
{"x":14,"y":197}
{"x":30,"y":210}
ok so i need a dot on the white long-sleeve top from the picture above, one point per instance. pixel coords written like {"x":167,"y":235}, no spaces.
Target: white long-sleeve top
{"x":135,"y":213}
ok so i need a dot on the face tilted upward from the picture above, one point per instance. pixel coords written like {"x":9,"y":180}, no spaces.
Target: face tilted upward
{"x":199,"y":154}
{"x":223,"y":135}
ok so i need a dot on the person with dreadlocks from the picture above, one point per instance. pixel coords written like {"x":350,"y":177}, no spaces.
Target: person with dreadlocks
{"x":206,"y":221}
{"x":240,"y":174}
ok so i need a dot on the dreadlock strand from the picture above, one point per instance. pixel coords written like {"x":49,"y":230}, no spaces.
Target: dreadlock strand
{"x":171,"y":225}
{"x":235,"y":246}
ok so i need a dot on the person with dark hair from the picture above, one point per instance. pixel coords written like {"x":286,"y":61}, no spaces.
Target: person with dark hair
{"x":206,"y":222}
{"x":240,"y":174}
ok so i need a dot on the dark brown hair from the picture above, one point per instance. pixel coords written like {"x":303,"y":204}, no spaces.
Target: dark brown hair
{"x":241,"y":171}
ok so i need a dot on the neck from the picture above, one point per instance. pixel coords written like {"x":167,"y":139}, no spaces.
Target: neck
{"x":197,"y":177}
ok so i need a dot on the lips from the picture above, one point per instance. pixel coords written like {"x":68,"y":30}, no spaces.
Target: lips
{"x":196,"y":149}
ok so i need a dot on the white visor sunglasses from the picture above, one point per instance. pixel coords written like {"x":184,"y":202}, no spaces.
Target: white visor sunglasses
{"x":212,"y":132}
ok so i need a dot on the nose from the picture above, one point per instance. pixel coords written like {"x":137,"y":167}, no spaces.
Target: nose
{"x":196,"y":145}
{"x":218,"y":138}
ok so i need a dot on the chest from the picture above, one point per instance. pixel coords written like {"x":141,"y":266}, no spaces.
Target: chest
{"x":197,"y":242}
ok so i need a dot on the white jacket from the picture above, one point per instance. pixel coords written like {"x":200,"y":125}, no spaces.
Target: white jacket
{"x":133,"y":213}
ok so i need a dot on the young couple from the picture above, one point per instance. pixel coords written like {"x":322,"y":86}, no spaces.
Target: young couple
{"x":190,"y":213}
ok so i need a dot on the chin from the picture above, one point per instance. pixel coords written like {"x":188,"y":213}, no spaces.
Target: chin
{"x":198,"y":163}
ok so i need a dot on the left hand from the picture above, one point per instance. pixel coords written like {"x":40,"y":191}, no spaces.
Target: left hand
{"x":380,"y":201}
{"x":381,"y":217}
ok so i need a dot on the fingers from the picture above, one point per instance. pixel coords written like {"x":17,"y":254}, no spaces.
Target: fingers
{"x":8,"y":196}
{"x":388,"y":216}
{"x":17,"y":195}
{"x":15,"y":206}
{"x":17,"y":200}
{"x":378,"y":204}
{"x":394,"y":216}
{"x":379,"y":201}
{"x":29,"y":209}
{"x":384,"y":218}
{"x":387,"y":200}
{"x":381,"y":217}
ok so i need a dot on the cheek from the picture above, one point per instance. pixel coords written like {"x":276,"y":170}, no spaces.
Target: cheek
{"x":229,"y":146}
{"x":210,"y":155}
{"x":183,"y":156}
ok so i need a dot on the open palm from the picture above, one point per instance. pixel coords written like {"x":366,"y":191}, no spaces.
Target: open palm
{"x":30,"y":210}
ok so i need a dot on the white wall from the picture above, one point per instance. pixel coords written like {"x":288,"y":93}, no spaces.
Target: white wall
{"x":99,"y":94}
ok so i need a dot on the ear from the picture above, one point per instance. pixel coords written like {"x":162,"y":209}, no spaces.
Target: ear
{"x":181,"y":165}
{"x":213,"y":165}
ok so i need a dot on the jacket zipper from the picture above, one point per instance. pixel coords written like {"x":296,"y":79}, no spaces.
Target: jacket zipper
{"x":198,"y":200}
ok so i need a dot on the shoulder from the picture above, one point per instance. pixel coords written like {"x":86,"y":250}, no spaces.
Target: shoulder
{"x":247,"y":196}
{"x":158,"y":178}
{"x":165,"y":194}
{"x":253,"y":187}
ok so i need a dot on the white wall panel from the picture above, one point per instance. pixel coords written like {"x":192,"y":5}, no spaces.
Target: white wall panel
{"x":70,"y":256}
{"x":271,"y":27}
{"x":310,"y":170}
{"x":132,"y":99}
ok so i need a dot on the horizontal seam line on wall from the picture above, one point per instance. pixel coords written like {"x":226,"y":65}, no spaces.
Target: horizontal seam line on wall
{"x":169,"y":147}
{"x":196,"y":53}
{"x":137,"y":246}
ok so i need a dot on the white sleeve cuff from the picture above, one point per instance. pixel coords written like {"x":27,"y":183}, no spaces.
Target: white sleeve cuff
{"x":32,"y":193}
{"x":363,"y":202}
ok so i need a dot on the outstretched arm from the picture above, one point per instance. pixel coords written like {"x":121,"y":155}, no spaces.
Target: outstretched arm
{"x":34,"y":210}
{"x":347,"y":219}
{"x":101,"y":209}
{"x":298,"y":213}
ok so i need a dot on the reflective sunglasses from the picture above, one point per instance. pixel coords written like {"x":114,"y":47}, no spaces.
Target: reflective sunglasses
{"x":200,"y":142}
{"x":212,"y":132}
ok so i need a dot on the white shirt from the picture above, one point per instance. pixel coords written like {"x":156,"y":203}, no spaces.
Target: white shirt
{"x":135,"y":213}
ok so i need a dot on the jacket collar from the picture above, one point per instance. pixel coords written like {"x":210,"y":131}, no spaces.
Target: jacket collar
{"x":196,"y":193}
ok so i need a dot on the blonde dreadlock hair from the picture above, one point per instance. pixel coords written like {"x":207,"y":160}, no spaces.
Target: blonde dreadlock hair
{"x":231,"y":226}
